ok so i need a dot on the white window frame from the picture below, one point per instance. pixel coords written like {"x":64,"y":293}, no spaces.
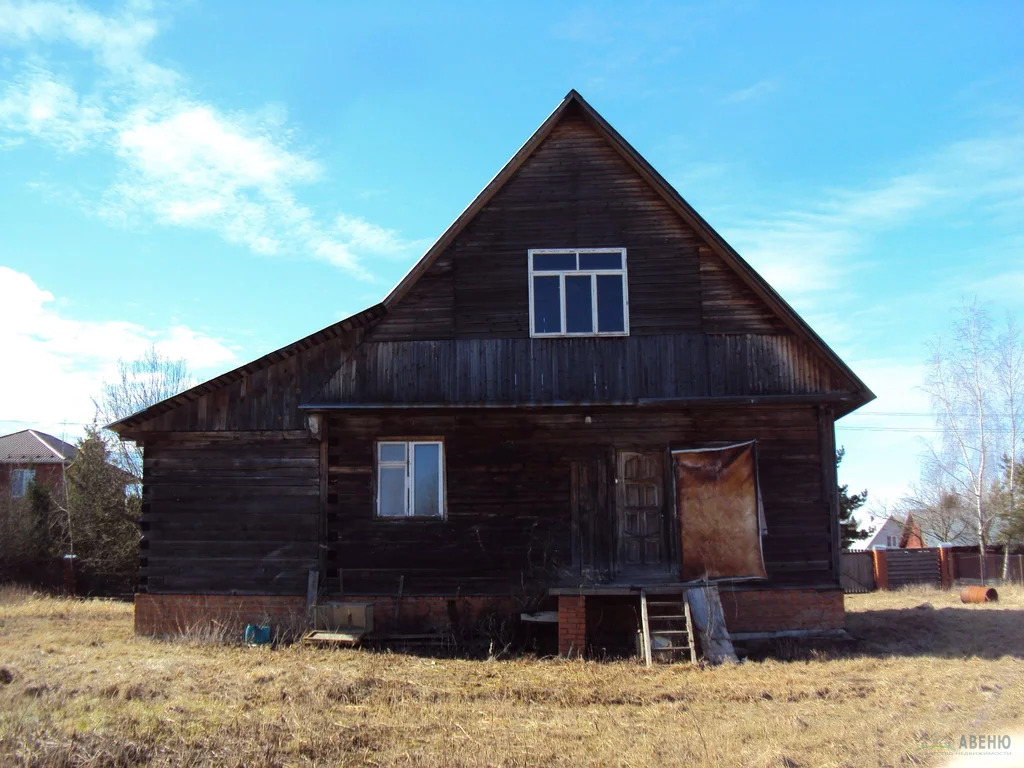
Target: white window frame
{"x":409,"y":465}
{"x":593,"y":273}
{"x":26,"y":478}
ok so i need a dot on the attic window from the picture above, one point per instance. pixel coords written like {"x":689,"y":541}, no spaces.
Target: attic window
{"x":578,"y":292}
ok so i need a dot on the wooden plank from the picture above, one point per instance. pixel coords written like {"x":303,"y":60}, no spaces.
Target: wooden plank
{"x":645,"y":629}
{"x":613,"y":370}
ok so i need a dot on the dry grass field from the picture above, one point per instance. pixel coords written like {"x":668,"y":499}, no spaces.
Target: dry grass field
{"x":77,"y":688}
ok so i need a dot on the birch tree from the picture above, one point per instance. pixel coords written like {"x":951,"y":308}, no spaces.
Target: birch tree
{"x":960,"y":382}
{"x":1009,"y":379}
{"x":139,"y":384}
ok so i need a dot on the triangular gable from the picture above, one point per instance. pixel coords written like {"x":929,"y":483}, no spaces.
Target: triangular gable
{"x":720,"y":263}
{"x":721,"y":269}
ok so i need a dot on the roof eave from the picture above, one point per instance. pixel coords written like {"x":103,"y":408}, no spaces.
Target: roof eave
{"x":360,"y":319}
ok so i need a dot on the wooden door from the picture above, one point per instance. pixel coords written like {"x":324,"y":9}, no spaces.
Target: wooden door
{"x":592,"y":528}
{"x":641,"y":511}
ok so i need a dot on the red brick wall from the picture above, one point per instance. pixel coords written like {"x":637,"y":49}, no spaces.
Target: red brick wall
{"x":50,"y":475}
{"x":770,"y":610}
{"x":745,"y":611}
{"x":881,"y":564}
{"x":572,"y":625}
{"x":224,"y":615}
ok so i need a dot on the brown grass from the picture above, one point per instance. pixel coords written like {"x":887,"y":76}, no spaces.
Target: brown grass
{"x":78,"y":689}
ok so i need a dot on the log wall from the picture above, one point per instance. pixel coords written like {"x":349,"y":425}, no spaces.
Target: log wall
{"x":230,"y":512}
{"x":510,"y":474}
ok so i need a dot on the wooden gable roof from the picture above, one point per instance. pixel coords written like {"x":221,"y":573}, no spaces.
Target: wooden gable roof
{"x":214,"y":404}
{"x":741,"y":274}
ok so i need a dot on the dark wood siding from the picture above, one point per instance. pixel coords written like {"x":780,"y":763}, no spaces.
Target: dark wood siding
{"x":230,"y":512}
{"x":574,"y":191}
{"x":580,"y":370}
{"x":511,"y":494}
{"x":728,"y":304}
{"x":265,"y":398}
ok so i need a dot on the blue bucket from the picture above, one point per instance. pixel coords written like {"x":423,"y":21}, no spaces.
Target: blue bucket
{"x":257,"y":634}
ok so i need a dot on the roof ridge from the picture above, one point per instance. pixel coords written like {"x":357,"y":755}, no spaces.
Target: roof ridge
{"x":53,"y":450}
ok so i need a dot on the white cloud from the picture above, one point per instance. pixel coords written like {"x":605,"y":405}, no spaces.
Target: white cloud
{"x":117,"y":41}
{"x":751,"y":93}
{"x":66,"y":360}
{"x":199,"y":168}
{"x":39,"y":105}
{"x":181,"y":162}
{"x":801,"y":252}
{"x":202,"y":149}
{"x":806,"y":250}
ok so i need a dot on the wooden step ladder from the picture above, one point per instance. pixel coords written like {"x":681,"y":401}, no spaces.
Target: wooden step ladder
{"x":666,"y":631}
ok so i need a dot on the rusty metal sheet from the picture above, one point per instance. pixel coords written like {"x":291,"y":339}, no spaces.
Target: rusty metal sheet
{"x":718,"y":505}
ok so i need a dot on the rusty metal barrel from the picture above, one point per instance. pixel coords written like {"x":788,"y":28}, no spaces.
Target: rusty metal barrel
{"x":978,"y":595}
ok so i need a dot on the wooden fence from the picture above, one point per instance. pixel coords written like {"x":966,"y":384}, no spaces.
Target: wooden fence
{"x":858,"y":571}
{"x":966,"y":564}
{"x":867,"y":570}
{"x":913,"y":566}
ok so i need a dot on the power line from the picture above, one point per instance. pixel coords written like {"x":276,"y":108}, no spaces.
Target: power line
{"x":921,"y":414}
{"x":917,"y":430}
{"x":48,"y":421}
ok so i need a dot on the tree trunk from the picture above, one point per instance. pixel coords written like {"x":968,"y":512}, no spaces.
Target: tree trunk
{"x":982,"y":565}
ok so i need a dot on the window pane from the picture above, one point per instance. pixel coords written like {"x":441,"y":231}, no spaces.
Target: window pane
{"x":20,"y":480}
{"x":426,"y":481}
{"x":609,"y":304}
{"x":559,"y":261}
{"x":579,"y":310}
{"x":547,"y":309}
{"x":600,"y":261}
{"x":392,"y":452}
{"x":392,"y":491}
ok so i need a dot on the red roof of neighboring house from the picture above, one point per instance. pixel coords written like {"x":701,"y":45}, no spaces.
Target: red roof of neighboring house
{"x":32,"y":447}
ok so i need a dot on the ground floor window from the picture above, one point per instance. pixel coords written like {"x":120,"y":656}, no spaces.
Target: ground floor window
{"x":410,"y":478}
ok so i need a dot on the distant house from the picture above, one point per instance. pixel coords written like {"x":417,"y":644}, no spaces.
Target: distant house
{"x":32,"y":456}
{"x":895,"y":533}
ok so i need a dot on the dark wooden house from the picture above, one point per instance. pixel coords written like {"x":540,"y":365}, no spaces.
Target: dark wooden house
{"x":499,"y":431}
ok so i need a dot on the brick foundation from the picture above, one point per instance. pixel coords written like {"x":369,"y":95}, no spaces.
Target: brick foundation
{"x":215,"y":614}
{"x":190,"y":614}
{"x":754,"y":610}
{"x":772,"y":610}
{"x":572,"y":625}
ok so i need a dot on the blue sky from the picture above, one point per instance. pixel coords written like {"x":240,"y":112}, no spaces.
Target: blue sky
{"x":223,"y":178}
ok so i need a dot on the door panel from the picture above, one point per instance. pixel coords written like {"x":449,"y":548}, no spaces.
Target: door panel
{"x":593,"y":529}
{"x":641,"y":511}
